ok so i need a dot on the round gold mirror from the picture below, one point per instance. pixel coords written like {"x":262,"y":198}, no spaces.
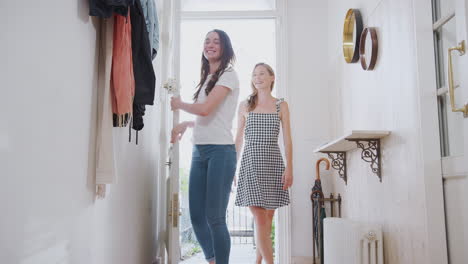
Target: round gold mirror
{"x":352,"y":30}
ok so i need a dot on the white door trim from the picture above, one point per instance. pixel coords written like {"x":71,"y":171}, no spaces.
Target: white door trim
{"x":228,"y":14}
{"x":429,"y":133}
{"x":284,"y":214}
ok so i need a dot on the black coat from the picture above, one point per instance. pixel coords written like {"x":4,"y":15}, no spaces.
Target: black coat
{"x":105,"y":8}
{"x":145,"y":79}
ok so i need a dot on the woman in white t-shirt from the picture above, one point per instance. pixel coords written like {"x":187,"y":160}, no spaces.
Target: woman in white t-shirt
{"x":214,"y":154}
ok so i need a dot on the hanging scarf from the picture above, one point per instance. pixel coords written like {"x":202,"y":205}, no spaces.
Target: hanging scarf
{"x":122,"y":81}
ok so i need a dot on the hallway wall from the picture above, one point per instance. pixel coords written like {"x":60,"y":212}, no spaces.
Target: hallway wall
{"x":389,"y":98}
{"x":310,"y":118}
{"x":47,"y":206}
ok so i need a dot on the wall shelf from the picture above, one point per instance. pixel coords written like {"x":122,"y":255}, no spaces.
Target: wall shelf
{"x":366,"y":140}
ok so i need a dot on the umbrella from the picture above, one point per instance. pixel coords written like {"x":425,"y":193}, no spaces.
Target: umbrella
{"x":318,"y":210}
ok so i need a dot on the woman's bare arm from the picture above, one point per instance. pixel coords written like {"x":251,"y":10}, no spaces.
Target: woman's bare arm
{"x":214,"y":99}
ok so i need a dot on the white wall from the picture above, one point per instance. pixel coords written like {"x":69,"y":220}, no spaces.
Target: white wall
{"x":48,"y":211}
{"x":329,"y":97}
{"x":308,"y":95}
{"x":389,"y":98}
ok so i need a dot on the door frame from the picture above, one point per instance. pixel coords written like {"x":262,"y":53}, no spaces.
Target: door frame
{"x":429,"y":133}
{"x":455,"y":168}
{"x":283,"y":232}
{"x":283,"y":219}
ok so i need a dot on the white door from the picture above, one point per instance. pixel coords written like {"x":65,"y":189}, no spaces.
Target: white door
{"x":173,"y":153}
{"x":172,"y":183}
{"x":450,"y":31}
{"x":170,"y":152}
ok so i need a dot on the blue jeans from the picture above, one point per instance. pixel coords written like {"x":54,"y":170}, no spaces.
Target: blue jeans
{"x":211,"y":175}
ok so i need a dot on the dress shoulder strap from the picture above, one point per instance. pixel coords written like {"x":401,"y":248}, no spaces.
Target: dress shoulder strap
{"x":278,"y":104}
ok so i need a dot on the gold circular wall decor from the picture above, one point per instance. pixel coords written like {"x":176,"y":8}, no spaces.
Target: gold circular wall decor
{"x":362,"y":48}
{"x":352,"y":30}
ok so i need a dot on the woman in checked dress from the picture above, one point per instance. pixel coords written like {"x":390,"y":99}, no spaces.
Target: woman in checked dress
{"x":264,"y":179}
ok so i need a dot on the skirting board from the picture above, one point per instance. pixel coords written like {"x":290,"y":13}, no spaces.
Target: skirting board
{"x":302,"y":260}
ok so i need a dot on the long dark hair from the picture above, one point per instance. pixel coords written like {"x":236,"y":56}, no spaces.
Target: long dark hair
{"x":227,"y":59}
{"x":253,"y":98}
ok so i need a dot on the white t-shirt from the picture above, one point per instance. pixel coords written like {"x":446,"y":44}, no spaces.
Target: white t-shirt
{"x":216,"y":127}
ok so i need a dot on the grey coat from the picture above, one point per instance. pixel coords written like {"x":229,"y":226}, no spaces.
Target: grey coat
{"x":152,"y":24}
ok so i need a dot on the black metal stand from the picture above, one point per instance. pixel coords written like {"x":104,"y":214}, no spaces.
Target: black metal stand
{"x":321,"y":202}
{"x":339,"y":163}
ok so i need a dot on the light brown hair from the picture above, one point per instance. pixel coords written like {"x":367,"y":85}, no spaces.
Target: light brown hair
{"x":253,"y":98}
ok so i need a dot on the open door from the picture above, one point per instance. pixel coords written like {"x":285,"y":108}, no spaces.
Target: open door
{"x":450,"y":36}
{"x":172,"y":183}
{"x":170,"y":152}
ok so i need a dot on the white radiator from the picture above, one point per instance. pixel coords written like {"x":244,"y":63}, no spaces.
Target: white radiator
{"x":351,"y":242}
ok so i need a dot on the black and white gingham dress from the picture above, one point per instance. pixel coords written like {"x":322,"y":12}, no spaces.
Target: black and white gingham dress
{"x":262,"y":167}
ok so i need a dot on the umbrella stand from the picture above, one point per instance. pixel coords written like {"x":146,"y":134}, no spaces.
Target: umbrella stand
{"x":320,"y":213}
{"x":316,"y":214}
{"x":318,"y":210}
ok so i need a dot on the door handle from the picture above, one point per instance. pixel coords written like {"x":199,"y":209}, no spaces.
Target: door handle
{"x":461,"y":50}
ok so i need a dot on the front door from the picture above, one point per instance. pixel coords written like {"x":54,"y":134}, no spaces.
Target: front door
{"x":450,"y":38}
{"x":170,"y":152}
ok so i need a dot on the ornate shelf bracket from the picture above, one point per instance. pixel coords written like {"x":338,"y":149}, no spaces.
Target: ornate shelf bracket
{"x":366,"y":140}
{"x":370,"y":153}
{"x":338,"y":163}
